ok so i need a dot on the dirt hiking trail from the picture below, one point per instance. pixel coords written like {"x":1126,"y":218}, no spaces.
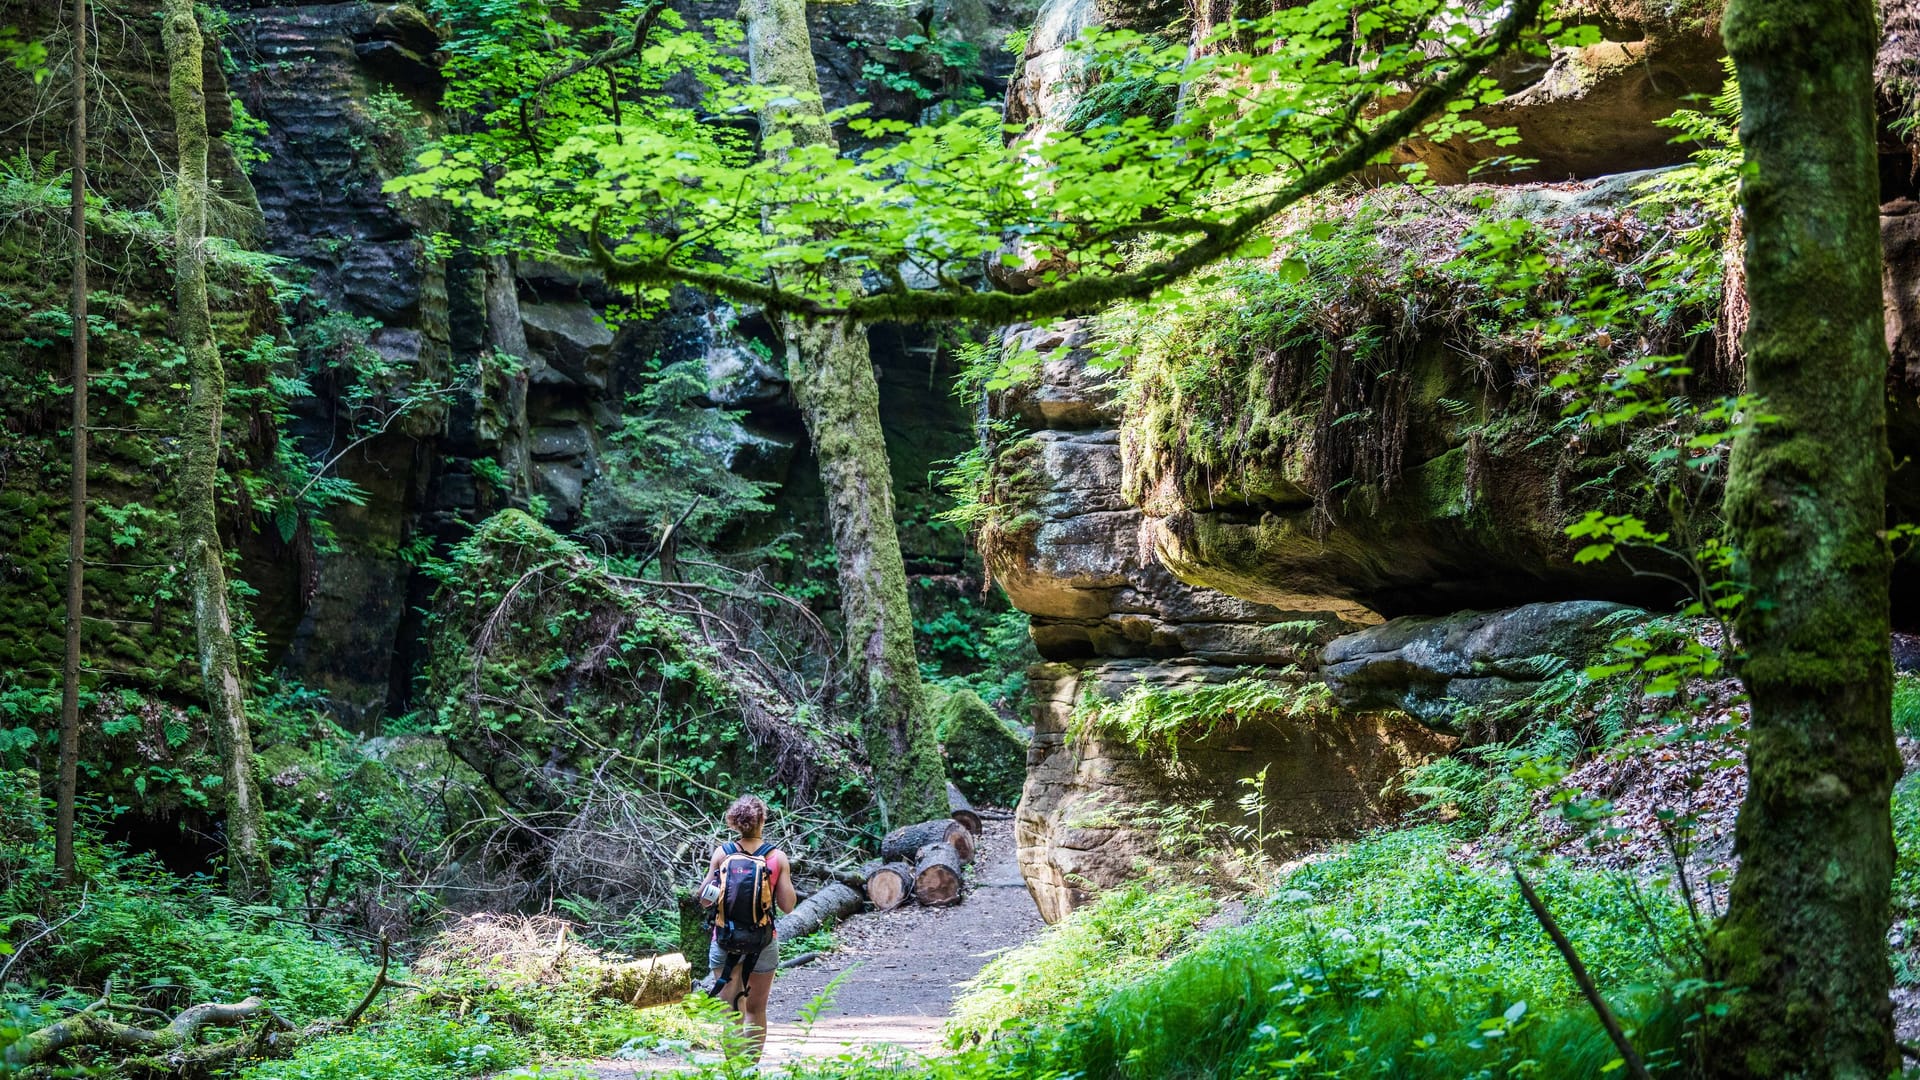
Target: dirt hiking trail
{"x":904,"y":969}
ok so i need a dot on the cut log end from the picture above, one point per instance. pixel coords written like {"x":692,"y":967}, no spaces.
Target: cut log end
{"x":961,"y":810}
{"x":936,"y":876}
{"x":890,"y":885}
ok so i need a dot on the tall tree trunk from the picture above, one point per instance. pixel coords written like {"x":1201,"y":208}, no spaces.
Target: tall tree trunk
{"x":832,"y":376}
{"x":66,"y":791}
{"x":248,"y":875}
{"x":1805,"y":937}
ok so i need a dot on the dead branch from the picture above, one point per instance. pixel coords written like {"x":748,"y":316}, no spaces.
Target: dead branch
{"x":379,"y":983}
{"x":174,"y":1050}
{"x":1636,"y":1068}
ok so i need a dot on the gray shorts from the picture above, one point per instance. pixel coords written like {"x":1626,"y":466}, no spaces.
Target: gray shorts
{"x":769,"y":958}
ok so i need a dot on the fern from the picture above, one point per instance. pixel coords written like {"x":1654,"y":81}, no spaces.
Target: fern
{"x":1156,"y":719}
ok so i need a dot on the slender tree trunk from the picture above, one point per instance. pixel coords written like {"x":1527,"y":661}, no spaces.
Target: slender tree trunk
{"x":1805,"y":937}
{"x":248,"y":875}
{"x":507,"y":334}
{"x":832,"y":376}
{"x":67,"y":789}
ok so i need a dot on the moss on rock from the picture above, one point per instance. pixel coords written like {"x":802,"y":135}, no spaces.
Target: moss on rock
{"x":549,"y":671}
{"x":1371,"y":414}
{"x":986,"y":755}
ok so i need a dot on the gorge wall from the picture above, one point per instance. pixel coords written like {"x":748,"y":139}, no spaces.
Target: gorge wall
{"x":336,"y":302}
{"x":538,"y":375}
{"x":1346,"y":483}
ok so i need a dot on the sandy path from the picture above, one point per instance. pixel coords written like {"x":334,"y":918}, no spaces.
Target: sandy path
{"x":903,"y":969}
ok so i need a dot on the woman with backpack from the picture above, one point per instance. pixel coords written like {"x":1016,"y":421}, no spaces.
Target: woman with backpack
{"x":747,"y":878}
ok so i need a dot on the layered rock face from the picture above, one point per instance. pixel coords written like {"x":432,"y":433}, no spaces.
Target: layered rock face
{"x":1393,"y":495}
{"x":312,"y":74}
{"x":1076,"y":557}
{"x":1095,"y":810}
{"x":1079,"y":558}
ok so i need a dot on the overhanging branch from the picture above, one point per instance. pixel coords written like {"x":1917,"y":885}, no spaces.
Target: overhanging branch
{"x":1081,"y":294}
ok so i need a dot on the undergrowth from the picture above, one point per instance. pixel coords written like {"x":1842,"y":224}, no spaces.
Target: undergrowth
{"x":1119,"y":936}
{"x":1394,"y":957}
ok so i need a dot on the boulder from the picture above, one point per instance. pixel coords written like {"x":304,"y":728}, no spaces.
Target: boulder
{"x":741,"y":378}
{"x":571,"y":339}
{"x":986,"y":755}
{"x":1431,"y":667}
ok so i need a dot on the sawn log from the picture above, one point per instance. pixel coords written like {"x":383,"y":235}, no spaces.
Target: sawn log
{"x":889,"y":885}
{"x":835,"y":901}
{"x":936,"y":875}
{"x":962,"y":810}
{"x":901,"y":844}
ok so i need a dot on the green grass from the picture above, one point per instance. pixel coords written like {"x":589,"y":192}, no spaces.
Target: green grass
{"x":1906,"y":705}
{"x":1393,"y":959}
{"x":1121,"y":935}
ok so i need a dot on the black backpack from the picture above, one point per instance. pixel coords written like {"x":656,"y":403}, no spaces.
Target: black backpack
{"x":743,"y":919}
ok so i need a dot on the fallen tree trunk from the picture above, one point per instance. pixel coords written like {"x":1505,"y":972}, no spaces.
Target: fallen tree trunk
{"x":170,"y":1051}
{"x":174,"y":1050}
{"x":901,"y":844}
{"x":643,"y":984}
{"x":962,"y":810}
{"x":936,"y":876}
{"x":835,"y":901}
{"x":890,"y":885}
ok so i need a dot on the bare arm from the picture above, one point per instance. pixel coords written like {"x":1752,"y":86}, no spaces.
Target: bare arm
{"x":783,"y":895}
{"x":713,"y":867}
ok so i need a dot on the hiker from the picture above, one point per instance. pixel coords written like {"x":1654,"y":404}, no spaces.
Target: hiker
{"x":746,"y":878}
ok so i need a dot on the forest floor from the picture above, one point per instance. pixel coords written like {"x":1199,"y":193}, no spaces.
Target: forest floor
{"x":902,"y":970}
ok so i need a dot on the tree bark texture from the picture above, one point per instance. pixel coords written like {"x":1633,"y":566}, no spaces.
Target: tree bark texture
{"x":901,"y":843}
{"x":937,"y":881}
{"x":66,"y":791}
{"x":831,"y":903}
{"x":248,"y":875}
{"x":1804,"y":940}
{"x":832,"y":376}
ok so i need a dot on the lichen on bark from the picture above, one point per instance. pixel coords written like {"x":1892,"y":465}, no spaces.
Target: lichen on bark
{"x":832,"y":376}
{"x":1804,"y":941}
{"x":248,"y":873}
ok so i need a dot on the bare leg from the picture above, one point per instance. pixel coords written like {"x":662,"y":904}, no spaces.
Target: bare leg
{"x":730,"y":993}
{"x":754,"y":1018}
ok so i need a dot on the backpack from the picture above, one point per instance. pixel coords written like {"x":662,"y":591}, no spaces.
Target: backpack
{"x":743,"y":919}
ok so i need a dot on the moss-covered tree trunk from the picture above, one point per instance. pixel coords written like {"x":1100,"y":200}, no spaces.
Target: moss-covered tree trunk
{"x":1805,"y":934}
{"x":832,"y":376}
{"x":66,"y":788}
{"x":248,"y":875}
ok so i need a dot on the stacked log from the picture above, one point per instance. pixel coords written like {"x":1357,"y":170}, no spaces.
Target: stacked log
{"x":889,"y":885}
{"x":962,"y":810}
{"x":936,"y":875}
{"x":902,"y":844}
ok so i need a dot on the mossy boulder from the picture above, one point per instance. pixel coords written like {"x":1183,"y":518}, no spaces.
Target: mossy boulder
{"x":986,"y":755}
